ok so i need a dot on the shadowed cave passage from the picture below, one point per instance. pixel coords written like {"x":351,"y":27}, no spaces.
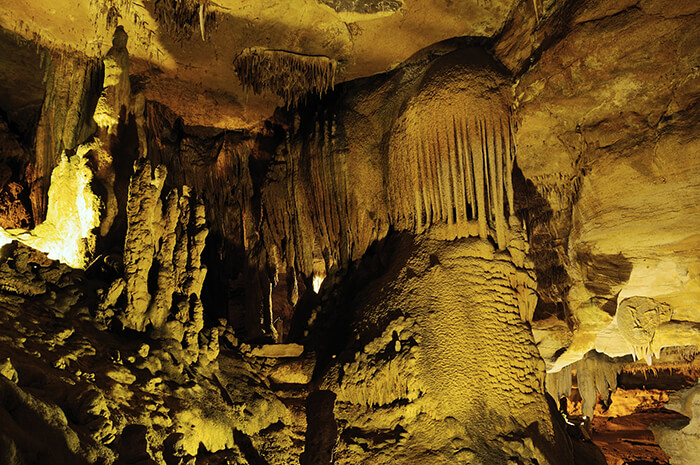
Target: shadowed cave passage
{"x":330,"y":232}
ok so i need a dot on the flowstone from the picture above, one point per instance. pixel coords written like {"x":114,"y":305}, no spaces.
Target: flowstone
{"x":442,"y":381}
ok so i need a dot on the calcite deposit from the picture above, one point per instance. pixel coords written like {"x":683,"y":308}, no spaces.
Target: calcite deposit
{"x":349,"y":232}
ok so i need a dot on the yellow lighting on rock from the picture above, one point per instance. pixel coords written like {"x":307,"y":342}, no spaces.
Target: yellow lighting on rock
{"x":72,"y":214}
{"x":317,"y":281}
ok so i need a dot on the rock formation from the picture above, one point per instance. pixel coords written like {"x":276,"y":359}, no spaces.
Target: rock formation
{"x":403,"y":395}
{"x":679,"y":438}
{"x":289,"y":75}
{"x":163,"y":273}
{"x":316,"y":232}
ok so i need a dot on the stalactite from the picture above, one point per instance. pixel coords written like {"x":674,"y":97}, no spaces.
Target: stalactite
{"x":116,"y":92}
{"x":316,"y":210}
{"x":480,"y":184}
{"x":509,"y":151}
{"x":595,"y":373}
{"x":501,"y":224}
{"x":431,"y":188}
{"x":464,"y":143}
{"x":422,"y":188}
{"x":290,"y":75}
{"x":462,"y":166}
{"x":182,"y":17}
{"x":460,"y":176}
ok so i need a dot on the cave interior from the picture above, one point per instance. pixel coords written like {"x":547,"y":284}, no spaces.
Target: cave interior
{"x":374,"y":232}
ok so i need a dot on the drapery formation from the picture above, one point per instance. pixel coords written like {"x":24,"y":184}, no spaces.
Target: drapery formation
{"x":451,"y":154}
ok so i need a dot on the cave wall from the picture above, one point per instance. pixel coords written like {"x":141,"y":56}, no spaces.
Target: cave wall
{"x":609,"y":103}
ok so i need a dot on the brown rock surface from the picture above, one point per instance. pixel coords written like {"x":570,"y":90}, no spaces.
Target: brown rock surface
{"x":612,"y":105}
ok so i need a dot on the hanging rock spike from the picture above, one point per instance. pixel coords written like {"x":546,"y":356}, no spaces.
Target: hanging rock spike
{"x":290,"y":75}
{"x":460,"y":166}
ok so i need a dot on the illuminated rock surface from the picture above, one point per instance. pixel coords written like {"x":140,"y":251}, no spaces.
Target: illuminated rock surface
{"x":349,"y":231}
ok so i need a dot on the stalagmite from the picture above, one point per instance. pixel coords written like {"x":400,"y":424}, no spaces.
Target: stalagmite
{"x":143,"y":217}
{"x":162,"y":261}
{"x":73,"y":213}
{"x":163,"y":296}
{"x":114,"y":98}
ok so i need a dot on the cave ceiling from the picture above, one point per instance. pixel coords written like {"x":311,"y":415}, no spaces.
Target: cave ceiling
{"x":186,"y":62}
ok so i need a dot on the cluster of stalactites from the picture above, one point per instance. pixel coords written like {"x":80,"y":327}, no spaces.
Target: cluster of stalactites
{"x":181,"y":17}
{"x":638,"y":319}
{"x":595,"y":373}
{"x":458,"y":174}
{"x":313,"y":216}
{"x":290,"y":75}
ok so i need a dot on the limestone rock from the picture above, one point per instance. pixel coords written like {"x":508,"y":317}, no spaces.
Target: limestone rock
{"x":394,"y":261}
{"x":298,"y":371}
{"x":277,"y":350}
{"x":611,"y":107}
{"x":680,"y":440}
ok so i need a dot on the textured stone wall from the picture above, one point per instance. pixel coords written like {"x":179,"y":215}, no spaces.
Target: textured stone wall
{"x":452,"y":362}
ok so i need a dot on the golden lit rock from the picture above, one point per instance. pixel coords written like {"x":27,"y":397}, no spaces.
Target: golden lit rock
{"x":324,"y":232}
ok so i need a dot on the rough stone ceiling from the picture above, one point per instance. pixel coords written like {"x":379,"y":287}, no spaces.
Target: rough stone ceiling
{"x":196,"y":78}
